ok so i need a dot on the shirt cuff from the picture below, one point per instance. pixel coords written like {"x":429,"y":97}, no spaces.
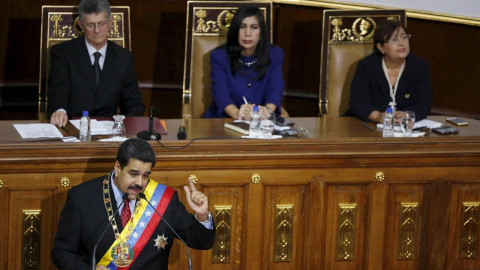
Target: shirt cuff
{"x":207,"y":223}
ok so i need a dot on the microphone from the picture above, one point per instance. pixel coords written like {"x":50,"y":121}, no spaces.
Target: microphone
{"x":142,"y":195}
{"x":181,"y":133}
{"x":150,"y":134}
{"x":124,"y":197}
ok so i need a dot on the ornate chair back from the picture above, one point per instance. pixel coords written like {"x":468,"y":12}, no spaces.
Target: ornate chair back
{"x":207,"y":28}
{"x":346,"y":39}
{"x":59,"y":23}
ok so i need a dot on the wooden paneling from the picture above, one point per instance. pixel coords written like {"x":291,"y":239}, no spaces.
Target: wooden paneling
{"x":464,"y":226}
{"x":345,"y":198}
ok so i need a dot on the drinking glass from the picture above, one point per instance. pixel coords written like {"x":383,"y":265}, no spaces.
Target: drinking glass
{"x":267,"y":125}
{"x":118,"y":129}
{"x":407,"y":122}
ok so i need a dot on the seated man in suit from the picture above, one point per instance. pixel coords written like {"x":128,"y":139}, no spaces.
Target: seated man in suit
{"x":90,"y":73}
{"x":116,"y":210}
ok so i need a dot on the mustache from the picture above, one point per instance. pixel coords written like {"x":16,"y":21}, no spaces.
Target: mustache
{"x":135,"y":187}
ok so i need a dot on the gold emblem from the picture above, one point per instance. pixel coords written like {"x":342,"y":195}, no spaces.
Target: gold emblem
{"x":122,"y":254}
{"x":407,"y":95}
{"x":160,"y":241}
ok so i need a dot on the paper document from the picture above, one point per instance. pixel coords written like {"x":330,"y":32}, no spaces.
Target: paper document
{"x":96,"y":127}
{"x":422,"y":123}
{"x":427,"y":123}
{"x":31,"y":131}
{"x":114,"y":139}
{"x":414,"y":134}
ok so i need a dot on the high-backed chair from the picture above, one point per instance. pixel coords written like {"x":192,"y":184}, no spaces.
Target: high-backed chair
{"x":59,"y":23}
{"x":207,"y":27}
{"x":346,"y":39}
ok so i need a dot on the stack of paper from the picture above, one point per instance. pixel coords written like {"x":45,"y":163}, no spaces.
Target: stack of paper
{"x":30,"y":131}
{"x":96,"y":127}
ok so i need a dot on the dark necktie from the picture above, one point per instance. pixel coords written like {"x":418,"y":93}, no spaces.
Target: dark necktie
{"x":96,"y":67}
{"x":126,"y":213}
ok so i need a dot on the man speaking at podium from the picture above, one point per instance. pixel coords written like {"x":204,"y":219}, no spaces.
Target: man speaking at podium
{"x":129,"y":219}
{"x":90,"y":73}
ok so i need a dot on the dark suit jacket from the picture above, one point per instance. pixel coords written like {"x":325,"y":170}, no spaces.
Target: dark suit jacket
{"x":71,"y":82}
{"x":370,"y":90}
{"x":84,"y":218}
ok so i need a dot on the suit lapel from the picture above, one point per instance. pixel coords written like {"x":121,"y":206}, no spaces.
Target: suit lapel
{"x":404,"y":82}
{"x":85,"y":64}
{"x":382,"y":79}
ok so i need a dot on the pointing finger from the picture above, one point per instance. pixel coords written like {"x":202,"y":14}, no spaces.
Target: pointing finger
{"x":192,"y":185}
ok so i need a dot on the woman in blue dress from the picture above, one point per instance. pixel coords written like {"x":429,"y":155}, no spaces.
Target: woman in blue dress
{"x":246,"y":70}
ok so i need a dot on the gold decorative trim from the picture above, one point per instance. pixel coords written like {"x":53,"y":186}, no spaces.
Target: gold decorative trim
{"x":408,"y":232}
{"x":31,"y":239}
{"x":283,"y":233}
{"x":65,"y":182}
{"x":194,"y":178}
{"x":223,"y":219}
{"x":218,"y":25}
{"x":362,"y":30}
{"x":469,"y":233}
{"x":379,"y":176}
{"x":256,"y":178}
{"x":63,"y":32}
{"x":346,"y":231}
{"x":432,"y":16}
{"x":1,"y":183}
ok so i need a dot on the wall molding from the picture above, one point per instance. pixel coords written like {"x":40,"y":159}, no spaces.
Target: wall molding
{"x":433,"y":16}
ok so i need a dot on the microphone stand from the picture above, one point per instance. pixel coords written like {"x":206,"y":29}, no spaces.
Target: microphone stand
{"x":150,"y":134}
{"x":124,"y":197}
{"x":142,"y":195}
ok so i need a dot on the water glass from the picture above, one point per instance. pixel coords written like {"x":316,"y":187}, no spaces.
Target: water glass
{"x":118,"y":129}
{"x":407,"y":122}
{"x":267,"y":125}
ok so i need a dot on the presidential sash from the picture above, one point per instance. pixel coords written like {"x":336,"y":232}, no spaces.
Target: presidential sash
{"x":131,"y":241}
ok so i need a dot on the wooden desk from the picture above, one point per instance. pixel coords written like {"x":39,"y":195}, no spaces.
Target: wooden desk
{"x":343,"y":198}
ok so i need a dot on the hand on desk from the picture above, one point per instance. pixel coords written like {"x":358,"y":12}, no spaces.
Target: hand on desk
{"x":59,"y":118}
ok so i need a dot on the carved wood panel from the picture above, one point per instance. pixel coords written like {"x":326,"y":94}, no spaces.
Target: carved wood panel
{"x":464,"y":227}
{"x":405,"y":239}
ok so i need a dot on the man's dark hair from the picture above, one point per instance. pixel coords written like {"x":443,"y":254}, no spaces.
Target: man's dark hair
{"x":94,"y":7}
{"x":384,"y":32}
{"x":234,"y":49}
{"x":137,"y":149}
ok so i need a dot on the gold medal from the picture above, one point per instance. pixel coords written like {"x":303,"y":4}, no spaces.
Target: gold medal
{"x":160,"y":241}
{"x":122,"y":254}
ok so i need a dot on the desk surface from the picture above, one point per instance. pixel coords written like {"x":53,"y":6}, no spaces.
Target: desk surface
{"x":319,"y":128}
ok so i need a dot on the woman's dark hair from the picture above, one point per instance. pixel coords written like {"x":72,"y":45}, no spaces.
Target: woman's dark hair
{"x":384,"y":32}
{"x":137,"y":149}
{"x":234,"y":49}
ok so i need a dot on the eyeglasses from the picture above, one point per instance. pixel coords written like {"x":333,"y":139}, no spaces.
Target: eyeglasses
{"x":395,"y":40}
{"x":101,"y":25}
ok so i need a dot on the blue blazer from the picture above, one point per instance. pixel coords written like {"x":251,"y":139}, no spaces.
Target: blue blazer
{"x":370,"y":89}
{"x":72,"y":86}
{"x":230,"y":89}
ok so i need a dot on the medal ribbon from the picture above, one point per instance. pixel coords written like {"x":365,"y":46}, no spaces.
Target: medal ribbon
{"x":144,"y":225}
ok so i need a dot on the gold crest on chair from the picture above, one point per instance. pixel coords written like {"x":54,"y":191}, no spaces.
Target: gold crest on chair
{"x":346,"y":39}
{"x":59,"y":24}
